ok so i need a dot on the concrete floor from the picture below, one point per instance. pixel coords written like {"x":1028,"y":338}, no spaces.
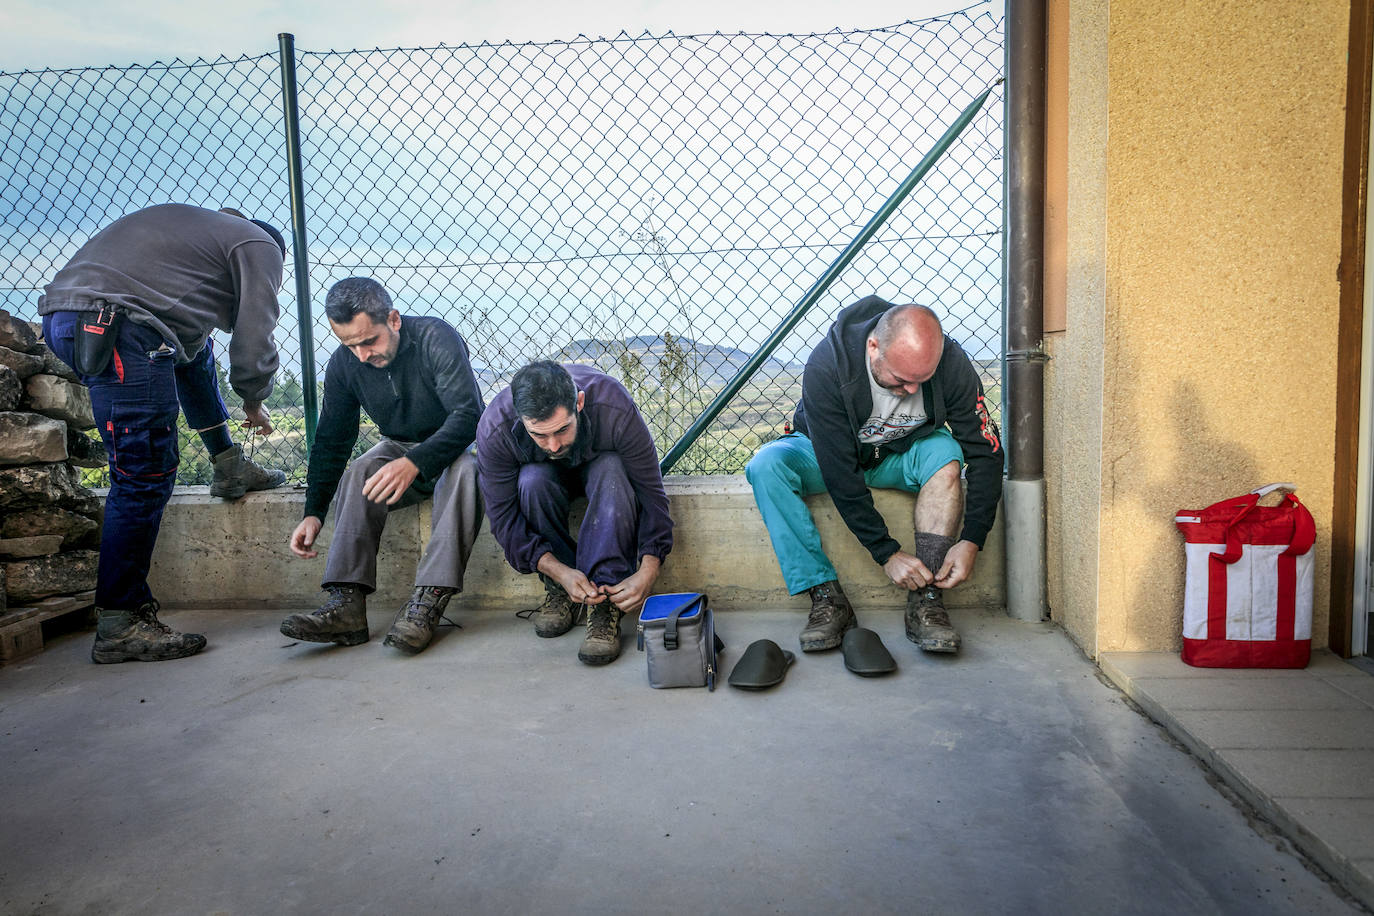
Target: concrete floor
{"x":1297,"y":744}
{"x":496,"y":774}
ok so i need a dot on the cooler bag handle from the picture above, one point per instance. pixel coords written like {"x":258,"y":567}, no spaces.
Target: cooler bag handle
{"x":670,"y":640}
{"x":1304,"y":528}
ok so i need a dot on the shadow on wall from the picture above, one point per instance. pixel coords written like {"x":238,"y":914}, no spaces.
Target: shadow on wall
{"x":1195,"y":466}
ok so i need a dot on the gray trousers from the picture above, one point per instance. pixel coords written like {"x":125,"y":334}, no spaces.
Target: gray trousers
{"x":358,"y":522}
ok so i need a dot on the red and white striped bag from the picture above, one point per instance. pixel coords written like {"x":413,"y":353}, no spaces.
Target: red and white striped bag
{"x":1248,"y":598}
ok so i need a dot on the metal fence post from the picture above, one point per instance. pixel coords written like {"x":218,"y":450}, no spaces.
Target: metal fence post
{"x":291,"y":121}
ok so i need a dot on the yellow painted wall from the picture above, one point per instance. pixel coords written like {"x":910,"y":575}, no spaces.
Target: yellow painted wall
{"x":1204,"y":233}
{"x":1073,"y":379}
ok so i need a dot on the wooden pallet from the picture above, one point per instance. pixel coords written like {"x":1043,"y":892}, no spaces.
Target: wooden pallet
{"x":21,"y":628}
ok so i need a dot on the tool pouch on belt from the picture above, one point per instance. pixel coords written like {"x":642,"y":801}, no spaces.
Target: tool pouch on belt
{"x":95,"y":339}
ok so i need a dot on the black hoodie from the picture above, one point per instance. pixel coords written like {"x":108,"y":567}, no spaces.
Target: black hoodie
{"x":836,"y":400}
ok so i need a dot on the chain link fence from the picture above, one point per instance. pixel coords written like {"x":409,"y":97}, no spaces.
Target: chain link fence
{"x":655,"y":205}
{"x":84,"y":147}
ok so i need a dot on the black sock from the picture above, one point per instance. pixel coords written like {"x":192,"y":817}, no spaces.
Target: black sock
{"x":217,"y":439}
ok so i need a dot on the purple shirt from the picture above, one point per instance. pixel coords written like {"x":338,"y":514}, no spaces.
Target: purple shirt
{"x":608,"y":422}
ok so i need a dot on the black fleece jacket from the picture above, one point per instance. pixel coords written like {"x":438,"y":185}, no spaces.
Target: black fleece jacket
{"x":427,"y":395}
{"x":836,"y":400}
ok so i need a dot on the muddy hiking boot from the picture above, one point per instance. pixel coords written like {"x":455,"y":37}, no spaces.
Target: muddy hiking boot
{"x":927,"y":621}
{"x":138,"y":636}
{"x":602,"y":643}
{"x":557,"y":614}
{"x":342,"y":619}
{"x":237,"y":474}
{"x":413,"y":628}
{"x":831,"y":615}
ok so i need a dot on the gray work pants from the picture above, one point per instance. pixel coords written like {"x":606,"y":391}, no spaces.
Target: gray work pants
{"x":358,"y":522}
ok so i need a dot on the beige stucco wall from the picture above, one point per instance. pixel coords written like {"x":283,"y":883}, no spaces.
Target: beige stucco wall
{"x":1073,"y":380}
{"x":1205,"y":143}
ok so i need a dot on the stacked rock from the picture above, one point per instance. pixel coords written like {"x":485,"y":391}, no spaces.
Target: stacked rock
{"x":49,"y":522}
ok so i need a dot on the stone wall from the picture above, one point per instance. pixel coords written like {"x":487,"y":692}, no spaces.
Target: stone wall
{"x":49,"y":522}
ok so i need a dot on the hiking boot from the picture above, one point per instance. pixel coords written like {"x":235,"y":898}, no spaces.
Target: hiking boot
{"x":138,"y":636}
{"x":341,"y":619}
{"x":236,"y":475}
{"x":831,"y":616}
{"x":602,"y":644}
{"x":414,"y":625}
{"x":556,"y":615}
{"x":927,"y":621}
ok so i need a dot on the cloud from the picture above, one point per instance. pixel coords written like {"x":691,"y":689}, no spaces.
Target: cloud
{"x":39,"y":34}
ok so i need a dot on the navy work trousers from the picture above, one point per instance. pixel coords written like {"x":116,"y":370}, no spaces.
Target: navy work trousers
{"x":605,"y":547}
{"x":135,"y":402}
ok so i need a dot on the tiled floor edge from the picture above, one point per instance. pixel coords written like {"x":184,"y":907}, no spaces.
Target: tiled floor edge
{"x":1339,"y":866}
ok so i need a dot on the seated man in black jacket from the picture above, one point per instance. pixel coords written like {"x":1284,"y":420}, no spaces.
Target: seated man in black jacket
{"x":887,"y":401}
{"x":412,"y":376}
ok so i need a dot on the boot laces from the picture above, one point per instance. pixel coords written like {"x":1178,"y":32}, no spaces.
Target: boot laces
{"x":931,"y":608}
{"x":823,"y":608}
{"x":334,"y":603}
{"x":552,"y":598}
{"x":419,"y":607}
{"x":601,"y":621}
{"x":423,"y":606}
{"x":147,"y":615}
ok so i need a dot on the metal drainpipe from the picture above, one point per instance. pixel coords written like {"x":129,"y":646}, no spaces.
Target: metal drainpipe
{"x":1024,"y":378}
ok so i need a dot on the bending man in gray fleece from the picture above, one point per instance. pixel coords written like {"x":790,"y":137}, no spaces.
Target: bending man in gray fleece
{"x":153,"y":285}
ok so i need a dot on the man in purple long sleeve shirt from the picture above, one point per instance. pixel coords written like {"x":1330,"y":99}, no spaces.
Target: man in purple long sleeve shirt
{"x":556,"y":433}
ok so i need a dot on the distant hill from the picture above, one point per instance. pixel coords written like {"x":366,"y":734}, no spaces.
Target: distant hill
{"x":715,"y":364}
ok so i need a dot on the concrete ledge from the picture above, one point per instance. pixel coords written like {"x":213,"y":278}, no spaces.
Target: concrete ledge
{"x":213,"y":553}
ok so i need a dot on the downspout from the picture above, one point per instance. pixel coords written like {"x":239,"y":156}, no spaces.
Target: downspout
{"x":1023,"y":498}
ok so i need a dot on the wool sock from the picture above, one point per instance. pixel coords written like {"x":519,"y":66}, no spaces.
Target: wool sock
{"x":931,"y":549}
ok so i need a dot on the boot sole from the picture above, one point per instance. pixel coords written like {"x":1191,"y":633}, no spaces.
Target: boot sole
{"x":352,"y":638}
{"x":115,"y":656}
{"x":228,"y":492}
{"x":820,"y":645}
{"x":405,"y":647}
{"x":237,"y":492}
{"x":933,"y":643}
{"x":595,"y":660}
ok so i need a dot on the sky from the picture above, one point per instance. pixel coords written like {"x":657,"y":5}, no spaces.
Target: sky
{"x":56,"y":34}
